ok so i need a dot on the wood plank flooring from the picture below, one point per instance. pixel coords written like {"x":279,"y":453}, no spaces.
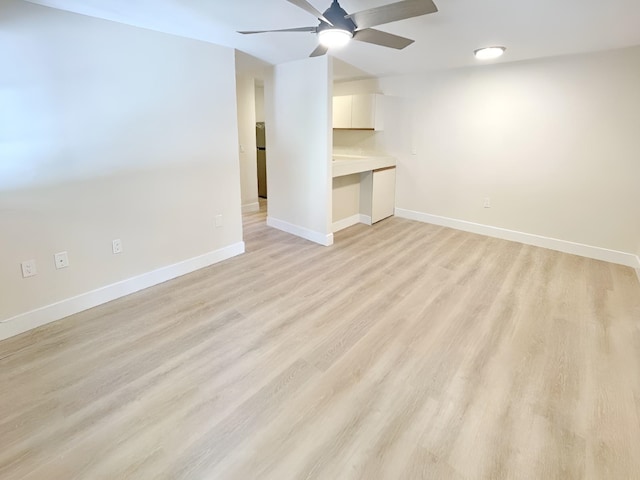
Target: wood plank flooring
{"x":404,"y":351}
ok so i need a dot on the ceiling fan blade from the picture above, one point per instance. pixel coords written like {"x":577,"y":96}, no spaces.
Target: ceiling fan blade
{"x":384,"y":39}
{"x":307,"y":7}
{"x":319,"y":51}
{"x":392,"y":12}
{"x":299,"y":29}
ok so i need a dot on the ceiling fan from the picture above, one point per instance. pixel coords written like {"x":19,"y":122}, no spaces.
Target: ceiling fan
{"x":337,"y":26}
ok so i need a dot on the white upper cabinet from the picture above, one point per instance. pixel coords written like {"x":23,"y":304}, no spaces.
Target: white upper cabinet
{"x":342,"y":111}
{"x":363,"y":111}
{"x":358,"y":112}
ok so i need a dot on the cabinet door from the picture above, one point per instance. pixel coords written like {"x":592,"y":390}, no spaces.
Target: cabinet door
{"x":342,"y":111}
{"x":363,"y":110}
{"x":383,"y":197}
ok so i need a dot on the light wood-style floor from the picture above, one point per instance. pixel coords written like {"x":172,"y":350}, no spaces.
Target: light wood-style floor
{"x":405,"y":351}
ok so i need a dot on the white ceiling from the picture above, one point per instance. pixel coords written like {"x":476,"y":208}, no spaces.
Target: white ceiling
{"x":528,"y":28}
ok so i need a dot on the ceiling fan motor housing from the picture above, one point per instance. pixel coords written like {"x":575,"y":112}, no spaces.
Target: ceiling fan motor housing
{"x":336,"y":15}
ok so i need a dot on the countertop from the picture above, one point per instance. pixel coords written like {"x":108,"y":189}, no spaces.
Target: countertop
{"x":350,"y":164}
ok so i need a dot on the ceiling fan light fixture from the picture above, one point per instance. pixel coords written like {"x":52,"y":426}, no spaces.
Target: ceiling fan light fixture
{"x":489,"y":53}
{"x":334,"y":37}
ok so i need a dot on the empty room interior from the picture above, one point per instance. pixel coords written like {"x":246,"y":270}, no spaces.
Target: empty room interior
{"x":311,"y":239}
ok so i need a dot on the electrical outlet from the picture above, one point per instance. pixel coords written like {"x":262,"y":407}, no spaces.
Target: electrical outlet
{"x":218,"y":221}
{"x":29,"y":268}
{"x":116,"y":246}
{"x":487,"y":202}
{"x":62,"y":260}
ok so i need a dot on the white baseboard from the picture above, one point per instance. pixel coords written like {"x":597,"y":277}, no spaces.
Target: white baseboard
{"x":56,"y":311}
{"x":317,"y":237}
{"x":366,"y":219}
{"x":251,"y":207}
{"x":350,"y":221}
{"x":346,"y":223}
{"x":597,"y":253}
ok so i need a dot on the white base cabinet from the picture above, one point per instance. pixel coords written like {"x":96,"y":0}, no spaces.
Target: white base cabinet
{"x":383,"y":197}
{"x":378,"y":193}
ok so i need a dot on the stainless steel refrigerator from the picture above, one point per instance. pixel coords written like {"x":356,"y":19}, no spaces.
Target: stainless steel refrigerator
{"x":262,"y":160}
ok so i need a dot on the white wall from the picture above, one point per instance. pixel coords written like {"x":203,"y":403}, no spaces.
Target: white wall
{"x":346,"y":197}
{"x":298,"y":118}
{"x":108,"y":131}
{"x":245,"y":86}
{"x":554,"y":143}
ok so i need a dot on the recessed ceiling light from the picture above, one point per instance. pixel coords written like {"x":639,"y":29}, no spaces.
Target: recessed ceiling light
{"x":489,"y":53}
{"x":334,"y":37}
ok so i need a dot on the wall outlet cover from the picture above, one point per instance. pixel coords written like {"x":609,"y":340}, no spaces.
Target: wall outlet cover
{"x":116,"y":246}
{"x":29,"y":268}
{"x":62,"y":260}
